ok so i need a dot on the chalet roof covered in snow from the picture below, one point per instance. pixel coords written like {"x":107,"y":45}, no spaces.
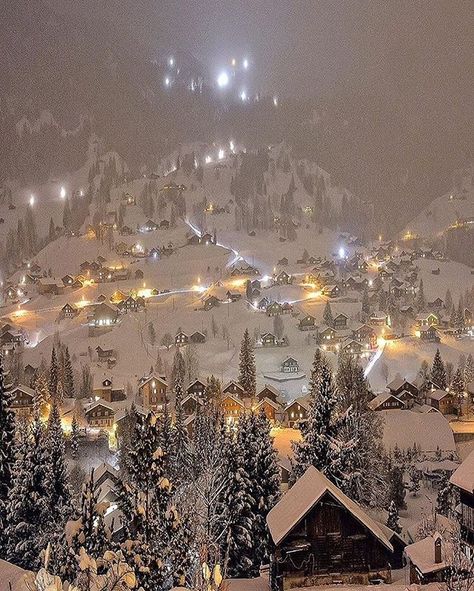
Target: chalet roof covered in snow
{"x":463,"y":477}
{"x":429,"y":431}
{"x":12,"y":576}
{"x":422,"y":554}
{"x":303,"y":496}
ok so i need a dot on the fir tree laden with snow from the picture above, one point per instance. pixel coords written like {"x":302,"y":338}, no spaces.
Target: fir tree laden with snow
{"x":28,"y":514}
{"x":318,"y":446}
{"x":393,"y":520}
{"x":7,"y":452}
{"x":247,"y":369}
{"x":58,"y":483}
{"x":438,"y":371}
{"x":53,"y":375}
{"x":180,"y":460}
{"x":327,"y":314}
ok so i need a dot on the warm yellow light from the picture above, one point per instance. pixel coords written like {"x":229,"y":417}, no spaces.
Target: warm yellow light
{"x":313,"y":294}
{"x":238,"y":282}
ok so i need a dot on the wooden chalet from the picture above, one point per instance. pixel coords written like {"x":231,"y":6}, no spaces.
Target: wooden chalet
{"x":443,"y":401}
{"x":331,"y":291}
{"x":181,"y":339}
{"x":197,"y":337}
{"x":100,"y":415}
{"x":190,"y":403}
{"x":268,"y":339}
{"x":233,"y":388}
{"x":269,"y":407}
{"x":463,"y":480}
{"x":22,"y":400}
{"x":429,"y":333}
{"x":196,"y":388}
{"x":269,"y":392}
{"x":104,"y":315}
{"x":427,"y":560}
{"x":105,"y":389}
{"x":69,"y":310}
{"x":153,"y":392}
{"x":289,"y":365}
{"x":232,"y":408}
{"x":386,"y":401}
{"x":296,"y":412}
{"x":321,"y":536}
{"x":307,"y":323}
{"x":340,"y":321}
{"x":399,"y":384}
{"x":283,"y":278}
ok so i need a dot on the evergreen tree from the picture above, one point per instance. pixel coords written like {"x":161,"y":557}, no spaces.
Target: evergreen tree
{"x":327,"y":314}
{"x":446,"y":498}
{"x":420,"y":302}
{"x":448,"y":302}
{"x":365,"y":302}
{"x":438,"y":371}
{"x":397,"y":488}
{"x":415,"y":482}
{"x":247,"y":369}
{"x":469,"y":370}
{"x":52,"y":230}
{"x":316,"y":447}
{"x":457,"y":387}
{"x":213,"y":388}
{"x":393,"y":520}
{"x":53,"y":376}
{"x":58,"y":483}
{"x":68,"y":375}
{"x":74,"y":437}
{"x":239,"y":546}
{"x":7,"y":452}
{"x":28,"y":512}
{"x":180,"y":460}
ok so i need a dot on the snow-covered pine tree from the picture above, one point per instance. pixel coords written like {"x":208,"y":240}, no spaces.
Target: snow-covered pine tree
{"x":7,"y":452}
{"x":360,"y":434}
{"x":446,"y":498}
{"x":365,"y":302}
{"x":266,"y":484}
{"x":397,"y":488}
{"x":53,"y":375}
{"x":420,"y":302}
{"x":74,"y":437}
{"x":247,"y":369}
{"x":58,"y":482}
{"x":469,"y":370}
{"x":29,"y":522}
{"x":239,"y":544}
{"x":316,"y":447}
{"x":180,"y":460}
{"x":68,"y":375}
{"x":327,"y":314}
{"x":393,"y":519}
{"x":438,"y":371}
{"x":213,"y":388}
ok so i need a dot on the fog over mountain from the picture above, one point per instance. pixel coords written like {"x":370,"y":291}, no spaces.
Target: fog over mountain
{"x":380,"y":94}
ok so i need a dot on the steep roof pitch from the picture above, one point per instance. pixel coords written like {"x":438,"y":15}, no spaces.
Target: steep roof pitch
{"x":303,"y":496}
{"x":464,"y":475}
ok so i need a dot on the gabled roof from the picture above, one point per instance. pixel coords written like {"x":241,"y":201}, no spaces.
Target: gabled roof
{"x":25,"y":389}
{"x":381,"y":398}
{"x":422,"y":554}
{"x":270,"y":402}
{"x":232,"y":397}
{"x":154,"y":377}
{"x":397,"y":383}
{"x":97,"y":403}
{"x":303,"y":496}
{"x":464,"y":475}
{"x":438,"y":394}
{"x":303,"y":401}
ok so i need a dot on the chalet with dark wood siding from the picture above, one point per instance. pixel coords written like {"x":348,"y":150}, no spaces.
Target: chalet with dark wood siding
{"x":289,"y":365}
{"x":268,"y":339}
{"x":443,"y":401}
{"x":274,"y":309}
{"x":331,"y":291}
{"x":197,"y":337}
{"x":463,"y":480}
{"x":232,"y":408}
{"x":307,"y":323}
{"x":269,"y":392}
{"x":153,"y":392}
{"x":321,"y":536}
{"x":398,"y":384}
{"x":196,"y":388}
{"x":233,"y":388}
{"x":340,"y":321}
{"x":181,"y":339}
{"x":22,"y":400}
{"x":386,"y":401}
{"x":68,"y":280}
{"x":283,"y":278}
{"x":269,"y":407}
{"x":190,"y":403}
{"x":100,"y":415}
{"x":296,"y":412}
{"x":69,"y":310}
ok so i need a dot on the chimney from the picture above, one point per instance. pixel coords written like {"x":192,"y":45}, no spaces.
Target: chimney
{"x":437,"y":548}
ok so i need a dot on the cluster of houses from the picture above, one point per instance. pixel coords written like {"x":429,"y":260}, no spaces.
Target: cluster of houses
{"x":420,"y":395}
{"x":11,"y":337}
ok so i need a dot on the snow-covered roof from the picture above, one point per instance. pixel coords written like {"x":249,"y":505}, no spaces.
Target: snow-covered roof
{"x":438,"y":394}
{"x":396,"y":383}
{"x":464,"y":475}
{"x":12,"y":576}
{"x":429,"y":431}
{"x":381,"y":398}
{"x":303,"y":496}
{"x":422,"y":554}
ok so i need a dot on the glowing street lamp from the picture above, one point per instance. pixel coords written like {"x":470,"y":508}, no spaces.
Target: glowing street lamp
{"x":342,"y":253}
{"x":32,"y":200}
{"x":223,"y":80}
{"x":246,"y":64}
{"x":171,"y":62}
{"x":167,"y":81}
{"x":275,"y":101}
{"x":221,"y":154}
{"x":233,"y":62}
{"x":62,"y":193}
{"x":243,"y":96}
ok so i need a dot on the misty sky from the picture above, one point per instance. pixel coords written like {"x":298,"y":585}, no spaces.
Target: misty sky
{"x":304,"y":47}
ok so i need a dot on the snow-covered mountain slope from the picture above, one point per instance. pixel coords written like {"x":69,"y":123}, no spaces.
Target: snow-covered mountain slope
{"x":454,"y":206}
